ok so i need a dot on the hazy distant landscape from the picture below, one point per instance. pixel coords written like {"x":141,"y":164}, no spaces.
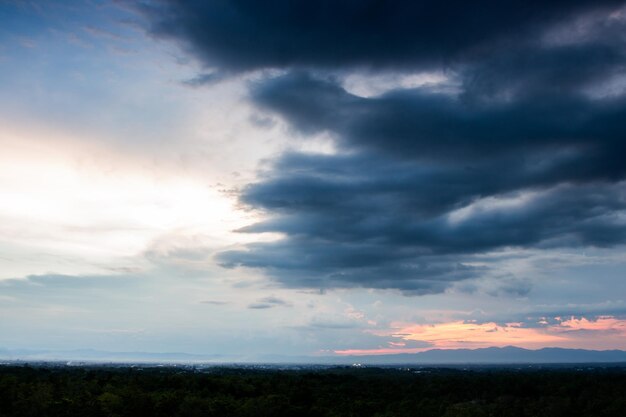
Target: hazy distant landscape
{"x":493,"y":355}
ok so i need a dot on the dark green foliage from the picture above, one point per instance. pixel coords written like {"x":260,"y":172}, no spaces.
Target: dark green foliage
{"x":91,"y":391}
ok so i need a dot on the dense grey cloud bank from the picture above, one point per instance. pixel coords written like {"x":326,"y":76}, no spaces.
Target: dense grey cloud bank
{"x":525,"y":151}
{"x":239,"y":35}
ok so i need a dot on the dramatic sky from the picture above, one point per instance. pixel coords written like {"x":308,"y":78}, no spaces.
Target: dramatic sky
{"x":297,"y":177}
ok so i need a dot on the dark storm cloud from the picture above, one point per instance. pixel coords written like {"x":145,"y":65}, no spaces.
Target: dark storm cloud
{"x":541,"y":169}
{"x":394,"y":226}
{"x":524,"y":149}
{"x":439,"y":127}
{"x":527,"y":71}
{"x":240,"y":35}
{"x":358,"y":197}
{"x":309,"y":264}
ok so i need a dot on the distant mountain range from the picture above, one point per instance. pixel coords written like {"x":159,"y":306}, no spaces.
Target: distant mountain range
{"x":490,"y":355}
{"x":496,"y":355}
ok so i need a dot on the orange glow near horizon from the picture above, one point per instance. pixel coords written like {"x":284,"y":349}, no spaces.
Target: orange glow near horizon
{"x":463,"y":334}
{"x":566,"y":332}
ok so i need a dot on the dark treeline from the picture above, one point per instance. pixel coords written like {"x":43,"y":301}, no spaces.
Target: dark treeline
{"x":223,"y":392}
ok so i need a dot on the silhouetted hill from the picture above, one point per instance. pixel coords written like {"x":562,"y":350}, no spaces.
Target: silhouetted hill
{"x":508,"y":354}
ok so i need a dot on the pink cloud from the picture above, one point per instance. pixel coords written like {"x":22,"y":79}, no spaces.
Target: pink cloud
{"x":604,"y":332}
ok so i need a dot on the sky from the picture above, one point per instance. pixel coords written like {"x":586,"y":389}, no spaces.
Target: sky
{"x":286,"y":177}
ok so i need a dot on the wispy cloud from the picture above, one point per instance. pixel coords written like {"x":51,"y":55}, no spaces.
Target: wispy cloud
{"x":269,"y":302}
